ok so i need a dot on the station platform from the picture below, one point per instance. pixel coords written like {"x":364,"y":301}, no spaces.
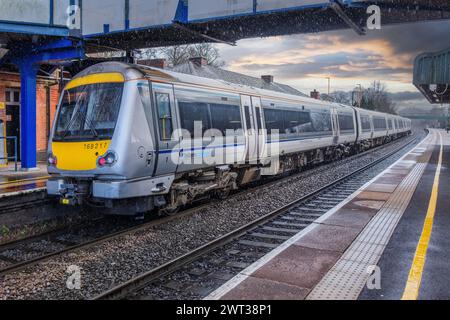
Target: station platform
{"x":13,"y":183}
{"x":388,"y":240}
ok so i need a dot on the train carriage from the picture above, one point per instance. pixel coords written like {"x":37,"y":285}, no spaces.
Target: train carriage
{"x":133,"y":138}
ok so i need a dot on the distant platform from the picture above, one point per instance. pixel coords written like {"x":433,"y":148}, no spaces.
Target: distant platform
{"x":14,"y":183}
{"x":391,"y":234}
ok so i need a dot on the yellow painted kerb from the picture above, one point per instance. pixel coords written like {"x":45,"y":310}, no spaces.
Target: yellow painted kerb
{"x":415,"y":274}
{"x":110,"y":77}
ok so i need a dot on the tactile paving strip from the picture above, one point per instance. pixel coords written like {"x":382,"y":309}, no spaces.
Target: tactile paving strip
{"x":349,"y":275}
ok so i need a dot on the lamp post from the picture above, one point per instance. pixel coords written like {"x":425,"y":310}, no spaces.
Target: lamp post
{"x":360,"y":95}
{"x":329,"y":85}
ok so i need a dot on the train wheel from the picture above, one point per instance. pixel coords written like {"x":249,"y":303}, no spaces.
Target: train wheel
{"x":169,"y":211}
{"x":223,"y":194}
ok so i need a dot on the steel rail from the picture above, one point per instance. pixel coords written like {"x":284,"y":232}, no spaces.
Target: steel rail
{"x":153,"y":223}
{"x":140,"y":281}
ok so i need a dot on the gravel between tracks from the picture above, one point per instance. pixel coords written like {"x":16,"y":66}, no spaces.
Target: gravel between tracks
{"x":118,"y":260}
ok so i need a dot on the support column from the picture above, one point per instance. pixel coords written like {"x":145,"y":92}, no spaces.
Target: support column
{"x":28,"y":149}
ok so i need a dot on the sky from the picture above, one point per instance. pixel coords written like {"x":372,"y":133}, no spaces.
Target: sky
{"x":305,"y":61}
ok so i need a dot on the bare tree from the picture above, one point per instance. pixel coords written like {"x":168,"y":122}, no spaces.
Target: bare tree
{"x":175,"y":55}
{"x":338,"y":96}
{"x":180,"y":54}
{"x":207,"y":51}
{"x":377,"y":98}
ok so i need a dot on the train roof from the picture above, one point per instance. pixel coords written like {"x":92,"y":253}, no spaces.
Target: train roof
{"x":134,"y":71}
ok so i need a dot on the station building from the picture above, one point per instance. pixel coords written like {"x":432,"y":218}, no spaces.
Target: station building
{"x":46,"y":101}
{"x":198,"y":66}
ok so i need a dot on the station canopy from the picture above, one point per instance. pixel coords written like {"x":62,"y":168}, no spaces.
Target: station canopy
{"x":432,"y":76}
{"x":134,"y":24}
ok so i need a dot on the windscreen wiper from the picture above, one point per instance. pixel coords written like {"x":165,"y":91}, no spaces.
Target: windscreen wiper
{"x":66,"y":130}
{"x":91,"y":126}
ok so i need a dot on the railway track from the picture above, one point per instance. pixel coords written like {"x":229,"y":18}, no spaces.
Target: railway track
{"x":197,"y":273}
{"x":24,"y":205}
{"x":17,"y":255}
{"x":20,"y":254}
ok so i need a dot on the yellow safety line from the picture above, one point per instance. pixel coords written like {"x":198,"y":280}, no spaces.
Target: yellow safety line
{"x":24,"y":180}
{"x":415,"y":274}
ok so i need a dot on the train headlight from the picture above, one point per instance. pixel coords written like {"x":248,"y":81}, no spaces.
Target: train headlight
{"x":108,"y":159}
{"x":52,"y":160}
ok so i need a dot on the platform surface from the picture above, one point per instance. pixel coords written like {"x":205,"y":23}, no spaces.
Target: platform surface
{"x":16,"y":182}
{"x":374,"y":245}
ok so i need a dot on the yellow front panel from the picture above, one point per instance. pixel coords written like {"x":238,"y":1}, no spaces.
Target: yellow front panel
{"x":79,"y":156}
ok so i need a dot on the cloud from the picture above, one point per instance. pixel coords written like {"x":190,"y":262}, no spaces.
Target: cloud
{"x":304,"y":60}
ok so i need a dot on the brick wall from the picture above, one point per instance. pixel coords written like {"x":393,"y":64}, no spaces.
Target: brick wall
{"x":8,"y":80}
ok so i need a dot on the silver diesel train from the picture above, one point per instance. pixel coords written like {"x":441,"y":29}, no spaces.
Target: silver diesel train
{"x":132,"y":139}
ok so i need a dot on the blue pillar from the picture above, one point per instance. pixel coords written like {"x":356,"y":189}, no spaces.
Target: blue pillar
{"x":28,"y":150}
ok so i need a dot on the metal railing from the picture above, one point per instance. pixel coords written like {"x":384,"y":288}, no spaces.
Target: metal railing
{"x":15,"y":151}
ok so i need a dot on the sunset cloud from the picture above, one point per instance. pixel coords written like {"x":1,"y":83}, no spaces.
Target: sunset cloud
{"x":304,"y":61}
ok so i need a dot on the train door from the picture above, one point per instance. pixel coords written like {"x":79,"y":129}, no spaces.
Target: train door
{"x":251,"y":129}
{"x":335,"y":125}
{"x":260,"y":132}
{"x":168,"y":151}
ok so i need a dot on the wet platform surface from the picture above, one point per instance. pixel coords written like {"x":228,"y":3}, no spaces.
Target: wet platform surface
{"x":16,"y":182}
{"x":374,"y":245}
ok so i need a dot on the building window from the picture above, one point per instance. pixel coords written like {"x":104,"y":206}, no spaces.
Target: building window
{"x":16,"y":96}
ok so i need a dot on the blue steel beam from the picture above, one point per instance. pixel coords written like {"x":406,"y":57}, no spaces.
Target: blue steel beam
{"x":33,"y":29}
{"x":28,"y":58}
{"x":28,"y":75}
{"x":181,"y":15}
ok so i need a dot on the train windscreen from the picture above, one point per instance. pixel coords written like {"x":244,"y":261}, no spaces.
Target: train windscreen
{"x":89,"y":112}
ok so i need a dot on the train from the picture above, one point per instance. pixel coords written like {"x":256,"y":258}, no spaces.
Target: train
{"x":132,"y":139}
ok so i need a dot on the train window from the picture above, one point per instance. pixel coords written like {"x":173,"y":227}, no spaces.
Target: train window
{"x":297,"y":122}
{"x":225,"y":117}
{"x":379,"y":124}
{"x":291,"y":122}
{"x":365,"y":124}
{"x":321,"y":121}
{"x":248,"y":121}
{"x":274,"y":121}
{"x":90,"y":110}
{"x":258,"y":118}
{"x":391,"y":125}
{"x":164,"y":115}
{"x":346,"y":122}
{"x":194,"y":114}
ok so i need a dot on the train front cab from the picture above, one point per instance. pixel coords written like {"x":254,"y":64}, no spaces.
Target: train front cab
{"x":101,"y":147}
